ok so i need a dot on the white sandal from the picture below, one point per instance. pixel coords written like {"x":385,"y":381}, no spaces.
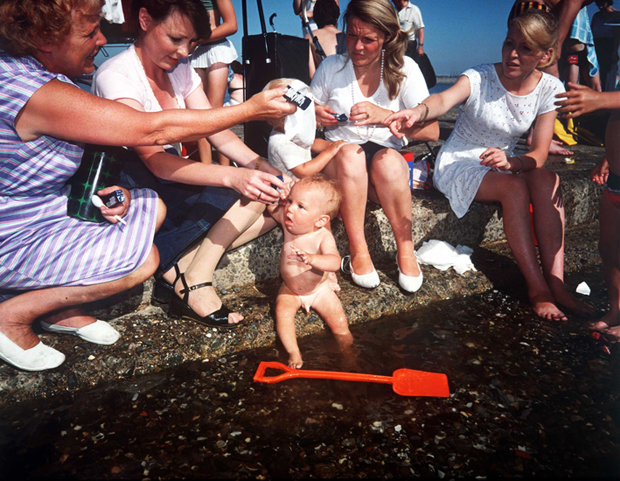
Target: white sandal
{"x":368,"y":281}
{"x":99,"y":332}
{"x":37,"y":358}
{"x":410,"y":283}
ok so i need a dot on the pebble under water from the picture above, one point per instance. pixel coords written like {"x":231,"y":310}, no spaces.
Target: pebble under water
{"x":529,"y":398}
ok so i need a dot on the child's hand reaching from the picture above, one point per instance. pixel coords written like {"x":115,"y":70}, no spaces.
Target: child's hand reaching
{"x":301,"y":256}
{"x":600,"y":172}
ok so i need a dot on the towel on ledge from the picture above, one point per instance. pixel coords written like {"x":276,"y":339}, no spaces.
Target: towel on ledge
{"x":442,"y":255}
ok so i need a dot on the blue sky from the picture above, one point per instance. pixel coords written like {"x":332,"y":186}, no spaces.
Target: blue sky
{"x":459,"y":33}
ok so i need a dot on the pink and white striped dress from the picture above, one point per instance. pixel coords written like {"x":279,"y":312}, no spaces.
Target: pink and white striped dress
{"x":40,"y":246}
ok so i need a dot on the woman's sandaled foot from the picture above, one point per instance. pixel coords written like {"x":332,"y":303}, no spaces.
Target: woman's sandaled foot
{"x":368,"y":280}
{"x":546,"y":309}
{"x":203,"y":305}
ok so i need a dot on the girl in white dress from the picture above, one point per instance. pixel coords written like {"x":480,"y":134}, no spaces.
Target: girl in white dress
{"x":499,"y":102}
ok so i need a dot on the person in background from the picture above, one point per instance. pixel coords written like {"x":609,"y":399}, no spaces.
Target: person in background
{"x":354,"y":93}
{"x":579,"y":60}
{"x":326,"y":13}
{"x":212,"y":58}
{"x":411,"y":21}
{"x":235,"y":84}
{"x":211,"y":208}
{"x":298,"y":8}
{"x":50,"y":263}
{"x":499,"y":103}
{"x":606,"y":42}
{"x":580,"y":100}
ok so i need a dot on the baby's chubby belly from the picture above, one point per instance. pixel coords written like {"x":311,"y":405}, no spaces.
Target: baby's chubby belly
{"x":299,"y":277}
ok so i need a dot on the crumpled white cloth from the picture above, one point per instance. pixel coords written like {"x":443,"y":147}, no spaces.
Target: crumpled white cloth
{"x":113,"y":11}
{"x":442,"y":255}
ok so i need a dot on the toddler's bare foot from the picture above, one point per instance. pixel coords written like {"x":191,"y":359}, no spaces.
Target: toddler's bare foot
{"x":546,"y":309}
{"x":294,"y":360}
{"x":610,"y":320}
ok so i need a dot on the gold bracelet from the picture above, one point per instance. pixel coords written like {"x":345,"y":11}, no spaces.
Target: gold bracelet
{"x":258,"y":162}
{"x":426,"y":111}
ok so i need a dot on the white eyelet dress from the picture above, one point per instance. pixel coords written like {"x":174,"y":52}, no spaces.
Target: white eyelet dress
{"x":491,"y":117}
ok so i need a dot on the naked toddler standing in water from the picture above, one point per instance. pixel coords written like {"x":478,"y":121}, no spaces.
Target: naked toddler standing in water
{"x":309,"y":254}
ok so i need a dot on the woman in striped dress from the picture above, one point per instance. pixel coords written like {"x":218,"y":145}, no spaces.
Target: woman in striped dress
{"x":50,"y":263}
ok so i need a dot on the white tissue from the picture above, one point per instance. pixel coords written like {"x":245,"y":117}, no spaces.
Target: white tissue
{"x":442,"y":255}
{"x":583,"y":288}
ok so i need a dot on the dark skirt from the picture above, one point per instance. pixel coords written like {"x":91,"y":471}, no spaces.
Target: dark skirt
{"x":191,"y":209}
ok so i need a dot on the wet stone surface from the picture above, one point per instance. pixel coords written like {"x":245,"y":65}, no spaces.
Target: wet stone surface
{"x":529,"y":398}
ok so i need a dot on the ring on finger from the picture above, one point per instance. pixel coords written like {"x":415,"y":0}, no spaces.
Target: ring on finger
{"x":367,"y":115}
{"x":259,"y":195}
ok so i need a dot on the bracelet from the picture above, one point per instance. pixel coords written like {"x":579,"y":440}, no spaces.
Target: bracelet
{"x":426,"y":111}
{"x":258,"y":162}
{"x":522,"y":166}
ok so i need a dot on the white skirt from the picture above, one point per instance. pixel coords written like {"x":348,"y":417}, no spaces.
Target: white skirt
{"x":207,"y":55}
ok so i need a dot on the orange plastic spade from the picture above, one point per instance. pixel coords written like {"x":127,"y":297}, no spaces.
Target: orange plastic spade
{"x":405,"y":382}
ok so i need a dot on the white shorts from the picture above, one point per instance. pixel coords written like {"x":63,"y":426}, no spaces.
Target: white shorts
{"x":207,"y":55}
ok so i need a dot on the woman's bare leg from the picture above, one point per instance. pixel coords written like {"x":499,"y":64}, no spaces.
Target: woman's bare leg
{"x":349,"y":169}
{"x":609,"y":248}
{"x":200,"y":263}
{"x":390,"y":169}
{"x":512,"y":192}
{"x":546,"y":197}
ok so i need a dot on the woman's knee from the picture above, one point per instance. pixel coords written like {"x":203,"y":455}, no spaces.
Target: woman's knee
{"x":351,"y":161}
{"x":147,"y":269}
{"x":388,"y":166}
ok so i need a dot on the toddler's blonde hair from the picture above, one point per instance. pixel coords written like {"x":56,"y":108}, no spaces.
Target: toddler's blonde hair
{"x":330,"y":189}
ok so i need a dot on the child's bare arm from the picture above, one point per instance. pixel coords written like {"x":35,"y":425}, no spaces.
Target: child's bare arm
{"x":321,"y":262}
{"x":317,"y":164}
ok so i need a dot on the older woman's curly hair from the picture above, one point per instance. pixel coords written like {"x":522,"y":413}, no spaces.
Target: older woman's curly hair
{"x":382,"y":15}
{"x":24,"y":24}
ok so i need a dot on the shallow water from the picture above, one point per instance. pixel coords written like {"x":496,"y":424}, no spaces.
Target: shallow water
{"x":528,"y":398}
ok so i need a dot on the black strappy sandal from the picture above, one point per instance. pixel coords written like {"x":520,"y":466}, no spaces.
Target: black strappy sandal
{"x":162,"y":291}
{"x":180,"y":308}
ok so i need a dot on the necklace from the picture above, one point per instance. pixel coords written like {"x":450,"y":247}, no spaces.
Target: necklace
{"x":379,"y":99}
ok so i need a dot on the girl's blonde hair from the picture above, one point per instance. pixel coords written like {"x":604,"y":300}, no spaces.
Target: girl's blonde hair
{"x":540,"y":30}
{"x":24,"y":24}
{"x":382,"y":15}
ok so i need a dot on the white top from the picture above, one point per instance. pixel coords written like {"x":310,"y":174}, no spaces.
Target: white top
{"x":491,"y":117}
{"x":123,"y":77}
{"x":410,"y":19}
{"x":337,"y":87}
{"x":288,"y":149}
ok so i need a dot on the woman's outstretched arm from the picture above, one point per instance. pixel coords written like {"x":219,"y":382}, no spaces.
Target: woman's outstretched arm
{"x":403,"y":123}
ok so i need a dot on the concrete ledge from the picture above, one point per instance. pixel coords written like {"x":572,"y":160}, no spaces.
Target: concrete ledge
{"x":248,"y":279}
